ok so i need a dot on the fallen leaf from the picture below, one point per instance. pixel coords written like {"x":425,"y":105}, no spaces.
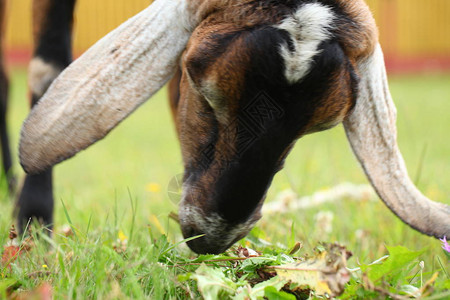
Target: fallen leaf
{"x":154,"y":220}
{"x":326,"y":273}
{"x":67,"y":230}
{"x":427,"y":288}
{"x":247,"y":252}
{"x":10,"y":254}
{"x":12,"y":232}
{"x":43,"y":292}
{"x":295,"y":248}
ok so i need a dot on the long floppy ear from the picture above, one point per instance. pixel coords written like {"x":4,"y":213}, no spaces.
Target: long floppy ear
{"x":371,"y":131}
{"x":106,"y":84}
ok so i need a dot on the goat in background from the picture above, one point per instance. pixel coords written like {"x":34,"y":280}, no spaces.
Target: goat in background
{"x":4,"y":88}
{"x":52,"y":52}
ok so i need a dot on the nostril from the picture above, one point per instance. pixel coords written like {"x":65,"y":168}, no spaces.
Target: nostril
{"x":191,"y":231}
{"x":198,"y":245}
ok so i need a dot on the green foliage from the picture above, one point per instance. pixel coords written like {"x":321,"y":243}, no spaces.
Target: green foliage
{"x":399,"y":258}
{"x":99,"y":265}
{"x":396,"y":275}
{"x":213,"y":284}
{"x":447,"y":254}
{"x":272,"y":293}
{"x":259,"y":290}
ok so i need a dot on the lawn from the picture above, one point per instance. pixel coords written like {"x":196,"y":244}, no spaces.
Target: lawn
{"x":117,"y":190}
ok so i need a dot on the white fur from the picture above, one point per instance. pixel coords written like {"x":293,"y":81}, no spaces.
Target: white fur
{"x":40,"y":75}
{"x":308,"y":27}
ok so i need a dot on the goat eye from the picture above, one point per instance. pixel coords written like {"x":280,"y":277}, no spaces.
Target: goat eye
{"x":207,"y":86}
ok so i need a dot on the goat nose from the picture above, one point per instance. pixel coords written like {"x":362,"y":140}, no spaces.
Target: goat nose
{"x":201,"y":244}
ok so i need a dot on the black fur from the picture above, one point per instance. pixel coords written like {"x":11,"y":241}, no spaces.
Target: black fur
{"x":261,"y":146}
{"x":6,"y":153}
{"x":245,"y":183}
{"x":55,"y":47}
{"x":55,"y":41}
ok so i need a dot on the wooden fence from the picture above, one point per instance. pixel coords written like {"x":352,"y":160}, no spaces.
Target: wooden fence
{"x":412,"y":31}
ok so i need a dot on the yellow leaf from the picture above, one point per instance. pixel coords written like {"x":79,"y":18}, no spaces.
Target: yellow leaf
{"x":158,"y":225}
{"x":427,"y":287}
{"x":326,"y":273}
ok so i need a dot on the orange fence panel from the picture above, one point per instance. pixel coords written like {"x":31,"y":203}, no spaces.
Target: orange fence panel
{"x":93,"y":20}
{"x":410,"y":30}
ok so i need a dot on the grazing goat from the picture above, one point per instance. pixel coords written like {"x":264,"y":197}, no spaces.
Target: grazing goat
{"x":52,"y":27}
{"x":4,"y":139}
{"x":255,"y":77}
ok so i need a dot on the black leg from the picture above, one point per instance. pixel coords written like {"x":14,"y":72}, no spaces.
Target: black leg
{"x":36,"y":200}
{"x":4,"y":139}
{"x":6,"y":153}
{"x":52,"y":24}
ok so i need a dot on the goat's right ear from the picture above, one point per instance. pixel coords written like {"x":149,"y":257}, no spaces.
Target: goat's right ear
{"x":106,"y":84}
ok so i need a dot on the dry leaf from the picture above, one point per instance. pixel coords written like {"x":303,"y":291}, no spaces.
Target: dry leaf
{"x":43,"y":292}
{"x":326,"y":273}
{"x":10,"y":254}
{"x":246,"y":252}
{"x":67,"y":231}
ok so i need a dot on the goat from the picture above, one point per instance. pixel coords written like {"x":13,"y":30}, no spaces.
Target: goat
{"x":52,"y":27}
{"x":255,"y":77}
{"x":4,"y":139}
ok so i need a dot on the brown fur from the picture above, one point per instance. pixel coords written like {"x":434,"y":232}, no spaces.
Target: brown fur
{"x":194,"y":112}
{"x":360,"y":37}
{"x":337,"y":104}
{"x":245,"y":13}
{"x":173,"y":89}
{"x":40,"y":13}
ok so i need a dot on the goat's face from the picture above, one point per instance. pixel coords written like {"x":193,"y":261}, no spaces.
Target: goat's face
{"x":241,"y":110}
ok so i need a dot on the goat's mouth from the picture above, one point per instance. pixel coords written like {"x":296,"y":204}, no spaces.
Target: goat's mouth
{"x":209,"y":245}
{"x":214,"y":234}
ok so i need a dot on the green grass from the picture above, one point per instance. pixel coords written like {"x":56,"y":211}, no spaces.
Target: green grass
{"x":100,"y":186}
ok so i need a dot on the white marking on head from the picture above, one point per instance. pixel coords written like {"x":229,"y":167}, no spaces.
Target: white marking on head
{"x":40,"y":75}
{"x":308,"y":27}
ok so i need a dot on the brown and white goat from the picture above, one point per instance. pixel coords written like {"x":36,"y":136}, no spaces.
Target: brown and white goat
{"x":255,"y":77}
{"x":52,"y":27}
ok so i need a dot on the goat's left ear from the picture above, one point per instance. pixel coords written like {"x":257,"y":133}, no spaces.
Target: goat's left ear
{"x":106,"y":84}
{"x":372,"y":133}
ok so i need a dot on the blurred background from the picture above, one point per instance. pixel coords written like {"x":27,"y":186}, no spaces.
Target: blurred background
{"x":415,"y":34}
{"x":141,"y":156}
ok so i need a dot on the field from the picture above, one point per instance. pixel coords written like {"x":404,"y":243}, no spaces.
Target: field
{"x":117,"y":190}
